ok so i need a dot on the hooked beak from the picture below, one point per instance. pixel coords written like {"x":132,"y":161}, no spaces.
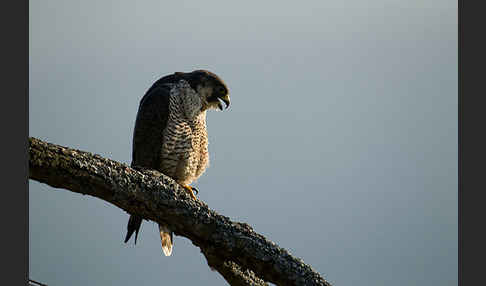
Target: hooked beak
{"x":226,"y":101}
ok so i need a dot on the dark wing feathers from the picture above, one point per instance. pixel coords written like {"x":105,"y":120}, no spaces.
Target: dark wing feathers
{"x":152,"y":116}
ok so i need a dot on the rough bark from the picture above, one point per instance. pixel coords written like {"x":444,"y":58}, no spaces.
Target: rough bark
{"x":234,"y":249}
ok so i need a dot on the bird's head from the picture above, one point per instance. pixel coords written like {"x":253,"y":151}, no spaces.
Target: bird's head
{"x":211,"y":89}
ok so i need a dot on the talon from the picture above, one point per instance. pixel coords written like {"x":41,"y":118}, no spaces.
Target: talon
{"x":190,"y":189}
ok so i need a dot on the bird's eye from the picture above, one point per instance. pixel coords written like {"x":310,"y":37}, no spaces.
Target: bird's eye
{"x":221,"y":89}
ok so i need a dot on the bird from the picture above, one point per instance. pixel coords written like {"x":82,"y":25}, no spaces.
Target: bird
{"x":170,"y":134}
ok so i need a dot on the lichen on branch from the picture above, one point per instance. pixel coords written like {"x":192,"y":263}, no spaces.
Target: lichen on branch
{"x":234,"y":249}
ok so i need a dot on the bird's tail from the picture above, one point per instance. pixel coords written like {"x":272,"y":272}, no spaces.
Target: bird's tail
{"x":166,"y":239}
{"x":134,"y":223}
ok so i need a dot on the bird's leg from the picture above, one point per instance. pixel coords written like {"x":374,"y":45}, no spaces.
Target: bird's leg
{"x":190,"y":190}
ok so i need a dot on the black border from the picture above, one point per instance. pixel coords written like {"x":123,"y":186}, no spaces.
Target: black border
{"x":471,"y":111}
{"x":14,"y":116}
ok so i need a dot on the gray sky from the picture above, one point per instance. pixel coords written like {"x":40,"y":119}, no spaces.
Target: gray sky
{"x":340,"y":143}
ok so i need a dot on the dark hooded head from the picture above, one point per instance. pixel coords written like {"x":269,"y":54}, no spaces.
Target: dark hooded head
{"x":209,"y":86}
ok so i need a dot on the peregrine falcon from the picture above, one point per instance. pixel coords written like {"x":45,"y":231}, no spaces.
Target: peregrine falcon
{"x":170,"y":133}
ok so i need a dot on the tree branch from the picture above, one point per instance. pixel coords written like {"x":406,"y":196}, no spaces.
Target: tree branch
{"x":232,"y":248}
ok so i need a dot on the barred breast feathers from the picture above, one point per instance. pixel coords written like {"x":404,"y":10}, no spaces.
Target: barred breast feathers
{"x":185,"y":143}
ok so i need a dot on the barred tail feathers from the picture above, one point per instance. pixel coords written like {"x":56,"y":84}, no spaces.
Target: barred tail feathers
{"x":166,"y":238}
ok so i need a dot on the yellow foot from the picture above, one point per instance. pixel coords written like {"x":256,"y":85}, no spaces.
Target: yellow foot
{"x":190,"y":190}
